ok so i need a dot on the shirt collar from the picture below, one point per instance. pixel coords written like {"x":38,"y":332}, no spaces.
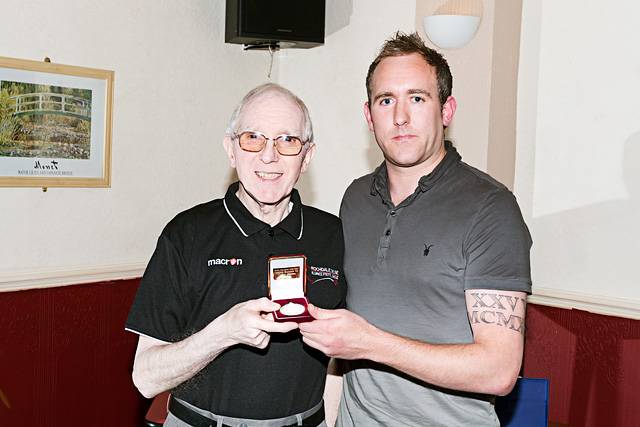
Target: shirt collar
{"x":248,"y":225}
{"x":380,"y":183}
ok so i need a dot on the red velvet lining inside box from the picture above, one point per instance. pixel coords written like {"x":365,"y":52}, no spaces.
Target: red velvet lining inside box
{"x":300,"y":318}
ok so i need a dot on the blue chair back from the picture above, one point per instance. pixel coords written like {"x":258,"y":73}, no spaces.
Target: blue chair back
{"x":526,"y":406}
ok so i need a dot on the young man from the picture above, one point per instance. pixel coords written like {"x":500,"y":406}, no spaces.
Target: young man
{"x":437,"y":261}
{"x":206,"y":331}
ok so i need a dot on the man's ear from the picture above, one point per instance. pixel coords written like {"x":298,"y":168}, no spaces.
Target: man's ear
{"x":367,"y":115}
{"x":311,"y":151}
{"x":448,"y":110}
{"x":228,"y":147}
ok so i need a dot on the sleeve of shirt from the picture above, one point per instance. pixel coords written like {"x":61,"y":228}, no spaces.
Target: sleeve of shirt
{"x":327,"y":288}
{"x":497,"y":246}
{"x":158,"y":310}
{"x":342,"y":281}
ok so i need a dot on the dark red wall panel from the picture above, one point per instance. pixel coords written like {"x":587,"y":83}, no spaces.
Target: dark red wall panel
{"x":65,"y":358}
{"x":592,"y":362}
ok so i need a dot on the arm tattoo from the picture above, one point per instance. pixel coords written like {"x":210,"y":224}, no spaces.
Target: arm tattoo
{"x":493,"y":308}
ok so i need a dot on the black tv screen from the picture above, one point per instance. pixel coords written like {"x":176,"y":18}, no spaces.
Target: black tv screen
{"x":261,"y":21}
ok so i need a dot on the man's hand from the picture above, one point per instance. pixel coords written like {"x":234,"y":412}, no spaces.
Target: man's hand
{"x":251,"y":323}
{"x":338,"y":333}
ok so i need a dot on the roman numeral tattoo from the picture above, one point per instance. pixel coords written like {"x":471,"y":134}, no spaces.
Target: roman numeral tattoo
{"x":498,"y":309}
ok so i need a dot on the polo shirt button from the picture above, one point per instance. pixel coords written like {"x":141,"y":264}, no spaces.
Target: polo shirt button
{"x":387,"y":233}
{"x":271,"y":232}
{"x":393,"y":213}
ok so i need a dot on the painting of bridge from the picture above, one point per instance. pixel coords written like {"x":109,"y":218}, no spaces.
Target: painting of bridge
{"x":44,"y":121}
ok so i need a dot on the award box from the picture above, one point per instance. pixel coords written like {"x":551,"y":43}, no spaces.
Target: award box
{"x":287,"y":287}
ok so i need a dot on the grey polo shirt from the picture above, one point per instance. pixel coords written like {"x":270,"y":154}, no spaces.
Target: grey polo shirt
{"x":408,"y":267}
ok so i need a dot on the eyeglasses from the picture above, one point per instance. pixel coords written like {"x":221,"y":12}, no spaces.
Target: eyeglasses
{"x":254,"y":142}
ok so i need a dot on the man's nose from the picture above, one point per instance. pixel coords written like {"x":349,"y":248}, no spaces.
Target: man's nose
{"x":269,"y":153}
{"x":400,"y":114}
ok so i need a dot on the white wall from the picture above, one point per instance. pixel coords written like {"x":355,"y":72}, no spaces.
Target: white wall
{"x":471,"y":67}
{"x":331,"y":80}
{"x":577,"y":170}
{"x":176,"y":82}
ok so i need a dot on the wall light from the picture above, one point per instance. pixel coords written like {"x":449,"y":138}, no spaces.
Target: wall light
{"x":454,"y":23}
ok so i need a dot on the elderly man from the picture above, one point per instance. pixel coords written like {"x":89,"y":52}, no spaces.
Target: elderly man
{"x":437,"y":260}
{"x":202,"y":312}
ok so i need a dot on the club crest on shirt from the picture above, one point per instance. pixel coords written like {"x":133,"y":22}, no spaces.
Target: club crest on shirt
{"x":323,"y":273}
{"x":224,"y":261}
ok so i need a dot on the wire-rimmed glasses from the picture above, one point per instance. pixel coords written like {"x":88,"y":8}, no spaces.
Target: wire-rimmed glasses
{"x":254,"y":142}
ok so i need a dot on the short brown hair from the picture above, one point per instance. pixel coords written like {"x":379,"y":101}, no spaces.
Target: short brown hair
{"x":405,"y":44}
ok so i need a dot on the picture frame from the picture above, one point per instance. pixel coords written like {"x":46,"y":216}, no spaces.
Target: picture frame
{"x":55,"y":125}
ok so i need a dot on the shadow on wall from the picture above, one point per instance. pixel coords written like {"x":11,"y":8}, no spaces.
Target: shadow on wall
{"x":232,"y":176}
{"x":337,"y":16}
{"x":373,"y":153}
{"x":596,"y":244}
{"x":306,"y":188}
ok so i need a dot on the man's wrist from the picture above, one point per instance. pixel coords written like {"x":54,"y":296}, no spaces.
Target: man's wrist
{"x":217,"y":337}
{"x":377,"y":342}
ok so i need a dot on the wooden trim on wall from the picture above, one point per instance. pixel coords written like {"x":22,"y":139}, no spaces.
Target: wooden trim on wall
{"x":610,"y":306}
{"x":18,"y":281}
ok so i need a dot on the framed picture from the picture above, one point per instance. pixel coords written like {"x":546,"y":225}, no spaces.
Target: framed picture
{"x":55,"y":125}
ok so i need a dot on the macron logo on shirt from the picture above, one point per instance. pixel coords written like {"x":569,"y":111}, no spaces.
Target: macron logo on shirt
{"x":224,"y":261}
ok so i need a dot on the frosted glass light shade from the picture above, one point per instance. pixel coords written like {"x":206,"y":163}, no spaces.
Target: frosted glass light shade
{"x":450,"y":31}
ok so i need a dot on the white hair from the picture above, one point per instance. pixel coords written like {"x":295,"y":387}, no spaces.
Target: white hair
{"x":263,"y":89}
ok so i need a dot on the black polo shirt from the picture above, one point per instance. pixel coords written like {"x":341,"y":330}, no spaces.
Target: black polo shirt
{"x":214,"y":256}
